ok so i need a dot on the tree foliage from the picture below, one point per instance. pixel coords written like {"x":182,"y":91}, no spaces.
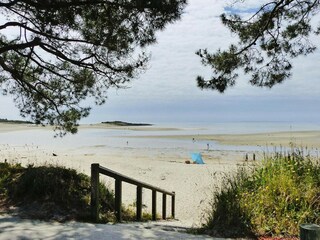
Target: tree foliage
{"x":269,"y":39}
{"x":54,"y":54}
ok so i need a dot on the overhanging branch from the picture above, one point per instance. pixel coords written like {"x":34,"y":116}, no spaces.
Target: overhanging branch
{"x":35,"y":42}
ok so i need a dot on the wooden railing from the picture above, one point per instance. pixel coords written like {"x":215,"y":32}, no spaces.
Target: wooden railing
{"x":96,"y":169}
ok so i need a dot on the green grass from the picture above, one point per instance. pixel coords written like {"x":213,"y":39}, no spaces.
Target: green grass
{"x":271,"y":199}
{"x":48,"y":191}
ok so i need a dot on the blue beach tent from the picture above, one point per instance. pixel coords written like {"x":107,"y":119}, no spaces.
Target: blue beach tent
{"x":197,"y":158}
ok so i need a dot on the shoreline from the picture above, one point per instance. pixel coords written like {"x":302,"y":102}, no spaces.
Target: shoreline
{"x":309,"y":138}
{"x":284,"y":139}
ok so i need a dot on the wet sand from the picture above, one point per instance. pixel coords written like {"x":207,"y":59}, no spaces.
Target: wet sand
{"x":309,"y":139}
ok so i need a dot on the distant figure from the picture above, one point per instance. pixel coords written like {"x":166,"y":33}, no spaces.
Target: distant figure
{"x":208,"y":146}
{"x":127,"y":143}
{"x":193,"y":140}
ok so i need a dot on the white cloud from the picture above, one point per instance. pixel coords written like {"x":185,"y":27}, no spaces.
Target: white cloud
{"x":245,"y":4}
{"x":8,"y":109}
{"x":170,"y":82}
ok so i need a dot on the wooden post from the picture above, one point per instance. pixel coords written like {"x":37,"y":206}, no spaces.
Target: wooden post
{"x":164,"y":206}
{"x":139,"y":203}
{"x":95,"y":192}
{"x":173,"y":205}
{"x":254,"y":157}
{"x":309,"y":232}
{"x":154,"y":205}
{"x":246,"y":157}
{"x":118,"y":199}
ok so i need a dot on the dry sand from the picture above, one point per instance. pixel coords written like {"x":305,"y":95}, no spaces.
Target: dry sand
{"x":193,"y":184}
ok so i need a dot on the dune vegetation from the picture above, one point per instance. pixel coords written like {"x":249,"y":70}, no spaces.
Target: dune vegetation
{"x":271,"y":199}
{"x":54,"y":193}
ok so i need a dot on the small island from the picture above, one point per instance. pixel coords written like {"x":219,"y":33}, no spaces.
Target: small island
{"x":126,"y":124}
{"x":4,"y":120}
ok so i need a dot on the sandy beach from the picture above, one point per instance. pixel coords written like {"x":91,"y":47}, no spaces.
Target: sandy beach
{"x":286,"y":139}
{"x":166,"y":169}
{"x":162,"y":166}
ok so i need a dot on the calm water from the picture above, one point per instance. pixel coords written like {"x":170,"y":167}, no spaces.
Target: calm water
{"x":103,"y":139}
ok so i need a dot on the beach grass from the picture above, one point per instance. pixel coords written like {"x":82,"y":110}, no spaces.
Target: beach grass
{"x":271,"y":199}
{"x":55,"y":193}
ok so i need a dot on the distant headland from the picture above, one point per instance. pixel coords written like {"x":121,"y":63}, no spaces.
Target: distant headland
{"x":4,"y":120}
{"x":126,"y":124}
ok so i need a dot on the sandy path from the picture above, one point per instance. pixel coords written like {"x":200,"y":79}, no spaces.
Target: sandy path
{"x":13,"y":228}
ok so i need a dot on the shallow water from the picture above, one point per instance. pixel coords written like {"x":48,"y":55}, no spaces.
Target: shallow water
{"x":103,"y":139}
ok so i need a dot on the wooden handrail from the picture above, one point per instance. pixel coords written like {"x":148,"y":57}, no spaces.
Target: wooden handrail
{"x":96,"y":169}
{"x":124,"y":178}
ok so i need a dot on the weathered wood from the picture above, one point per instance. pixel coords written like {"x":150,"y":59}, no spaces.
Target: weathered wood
{"x":95,"y":192}
{"x":173,"y":199}
{"x":309,"y":232}
{"x":139,"y":203}
{"x":154,"y":205}
{"x":118,"y":199}
{"x":164,"y":206}
{"x":96,"y":170}
{"x":123,"y":178}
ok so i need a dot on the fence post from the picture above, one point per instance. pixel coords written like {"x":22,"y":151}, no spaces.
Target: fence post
{"x":164,"y":206}
{"x":139,"y":203}
{"x":309,"y":232}
{"x":96,"y":170}
{"x":118,"y":199}
{"x":154,"y":205}
{"x":95,"y":192}
{"x":173,"y":205}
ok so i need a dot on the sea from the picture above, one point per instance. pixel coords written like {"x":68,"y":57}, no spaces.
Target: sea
{"x":146,"y":138}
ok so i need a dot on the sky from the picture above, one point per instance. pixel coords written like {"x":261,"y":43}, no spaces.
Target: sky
{"x":167,"y":91}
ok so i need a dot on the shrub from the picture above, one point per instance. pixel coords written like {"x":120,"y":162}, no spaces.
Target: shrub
{"x":51,"y":190}
{"x":8,"y":172}
{"x":271,"y":199}
{"x":58,"y":193}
